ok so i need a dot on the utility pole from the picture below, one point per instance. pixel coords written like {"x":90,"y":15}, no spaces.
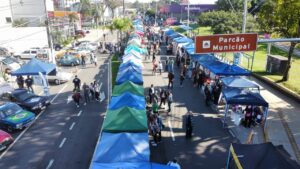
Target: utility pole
{"x":123,"y":8}
{"x":244,"y":17}
{"x":188,"y":13}
{"x":50,"y":45}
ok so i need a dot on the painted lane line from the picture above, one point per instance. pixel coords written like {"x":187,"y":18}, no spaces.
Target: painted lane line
{"x":59,"y":93}
{"x":62,"y":142}
{"x":79,"y":113}
{"x":50,"y":164}
{"x":171,"y":130}
{"x":69,"y":99}
{"x":72,"y":125}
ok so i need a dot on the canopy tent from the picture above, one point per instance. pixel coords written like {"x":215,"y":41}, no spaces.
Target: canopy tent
{"x":130,"y":56}
{"x":183,"y":40}
{"x":182,"y":44}
{"x":190,"y":45}
{"x":130,"y":64}
{"x":124,"y":165}
{"x":259,"y":156}
{"x":169,"y":32}
{"x":140,"y":50}
{"x":33,"y":67}
{"x":166,"y":29}
{"x":134,"y":62}
{"x":238,"y":82}
{"x":132,"y":59}
{"x":127,"y":100}
{"x":238,"y":96}
{"x":134,"y":42}
{"x":224,"y":69}
{"x":139,"y":32}
{"x":200,"y":58}
{"x":130,"y":87}
{"x":122,"y":147}
{"x":185,"y":27}
{"x":175,"y":35}
{"x":190,"y":51}
{"x":130,"y":69}
{"x":125,"y":119}
{"x":130,"y":75}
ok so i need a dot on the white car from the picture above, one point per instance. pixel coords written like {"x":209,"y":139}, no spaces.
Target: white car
{"x":27,"y":54}
{"x":60,"y":77}
{"x":8,"y":63}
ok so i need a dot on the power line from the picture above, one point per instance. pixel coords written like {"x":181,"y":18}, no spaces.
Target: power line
{"x":231,"y":5}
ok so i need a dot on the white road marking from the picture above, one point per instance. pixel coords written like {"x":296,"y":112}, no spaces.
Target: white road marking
{"x":79,"y":113}
{"x":171,"y":130}
{"x":69,"y":99}
{"x":59,"y":93}
{"x":72,"y":125}
{"x":50,"y":164}
{"x":231,"y":133}
{"x":62,"y":142}
{"x":100,"y":86}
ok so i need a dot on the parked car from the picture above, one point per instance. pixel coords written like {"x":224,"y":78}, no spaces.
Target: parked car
{"x":8,"y":63}
{"x":5,"y":140}
{"x":57,"y":47}
{"x":29,"y":100}
{"x":80,"y":32}
{"x":87,"y":46}
{"x":27,"y":54}
{"x":6,"y":51}
{"x":13,"y":117}
{"x":68,"y":60}
{"x":59,"y":77}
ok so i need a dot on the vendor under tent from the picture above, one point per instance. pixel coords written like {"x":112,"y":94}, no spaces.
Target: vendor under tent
{"x":125,"y":165}
{"x":130,"y":87}
{"x":223,"y":69}
{"x":127,"y":100}
{"x":238,"y":82}
{"x":125,"y":119}
{"x":129,"y":75}
{"x":259,"y":156}
{"x":239,"y":96}
{"x":122,"y":147}
{"x":33,"y":67}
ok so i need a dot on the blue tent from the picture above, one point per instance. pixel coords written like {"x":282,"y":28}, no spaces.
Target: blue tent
{"x":238,"y":82}
{"x":224,"y":69}
{"x":201,"y":58}
{"x":122,"y":147}
{"x":129,"y":100}
{"x":190,"y":45}
{"x":190,"y":51}
{"x":169,"y":32}
{"x":124,"y":165}
{"x":129,"y":68}
{"x":125,"y":65}
{"x":175,"y":35}
{"x":183,"y":40}
{"x":130,"y":75}
{"x":243,"y":97}
{"x":33,"y":67}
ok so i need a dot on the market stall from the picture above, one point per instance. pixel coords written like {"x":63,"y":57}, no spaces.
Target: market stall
{"x":127,"y":100}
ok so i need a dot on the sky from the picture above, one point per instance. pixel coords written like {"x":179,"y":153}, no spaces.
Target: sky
{"x":191,"y":1}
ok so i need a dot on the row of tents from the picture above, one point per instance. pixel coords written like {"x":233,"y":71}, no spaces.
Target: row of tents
{"x":124,"y":142}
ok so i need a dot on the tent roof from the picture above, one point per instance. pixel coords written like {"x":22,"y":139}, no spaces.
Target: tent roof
{"x":224,"y":69}
{"x":122,"y":147}
{"x":169,"y":32}
{"x":204,"y":58}
{"x":262,"y":156}
{"x":130,"y":66}
{"x":129,"y":75}
{"x":175,"y":35}
{"x":190,"y":45}
{"x":128,"y":87}
{"x":243,"y":97}
{"x":138,"y":165}
{"x":127,"y":100}
{"x":183,"y":40}
{"x":135,"y":48}
{"x":33,"y":67}
{"x":127,"y":64}
{"x":239,"y":82}
{"x":125,"y":119}
{"x":135,"y":62}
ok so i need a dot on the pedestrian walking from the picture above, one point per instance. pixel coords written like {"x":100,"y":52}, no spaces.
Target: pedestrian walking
{"x":76,"y":82}
{"x":160,"y":67}
{"x":160,"y":126}
{"x":207,"y":94}
{"x":86,"y":93}
{"x":171,"y":66}
{"x":151,"y":93}
{"x":92,"y":91}
{"x":188,"y":124}
{"x":171,"y":79}
{"x":163,"y":97}
{"x":97,"y":91}
{"x":29,"y":83}
{"x":181,"y":79}
{"x":170,"y":101}
{"x":76,"y":97}
{"x":155,"y":107}
{"x":154,"y":128}
{"x":20,"y":81}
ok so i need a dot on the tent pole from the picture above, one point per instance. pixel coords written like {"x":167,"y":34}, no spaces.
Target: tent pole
{"x":228,"y":158}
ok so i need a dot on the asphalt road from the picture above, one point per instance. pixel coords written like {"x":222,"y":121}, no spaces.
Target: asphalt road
{"x":63,"y":136}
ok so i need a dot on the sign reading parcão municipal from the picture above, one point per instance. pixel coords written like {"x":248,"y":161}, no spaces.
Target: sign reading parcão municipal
{"x":226,"y":43}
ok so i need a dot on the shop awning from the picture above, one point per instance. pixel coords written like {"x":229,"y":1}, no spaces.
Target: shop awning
{"x":127,"y":100}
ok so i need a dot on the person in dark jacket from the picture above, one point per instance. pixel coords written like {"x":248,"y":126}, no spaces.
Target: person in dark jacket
{"x":29,"y":83}
{"x":207,"y":95}
{"x":76,"y":82}
{"x":76,"y":97}
{"x":20,"y":81}
{"x":188,"y":124}
{"x":171,"y":78}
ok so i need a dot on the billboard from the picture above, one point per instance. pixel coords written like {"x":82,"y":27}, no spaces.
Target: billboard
{"x":226,"y":43}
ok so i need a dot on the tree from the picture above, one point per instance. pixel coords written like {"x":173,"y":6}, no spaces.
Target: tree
{"x":281,"y":17}
{"x":112,"y":5}
{"x":228,"y":5}
{"x":121,"y":25}
{"x":85,"y":8}
{"x":150,"y":13}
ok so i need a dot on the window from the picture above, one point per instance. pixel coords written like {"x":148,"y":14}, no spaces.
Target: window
{"x":26,"y":51}
{"x":34,"y":52}
{"x":8,"y":19}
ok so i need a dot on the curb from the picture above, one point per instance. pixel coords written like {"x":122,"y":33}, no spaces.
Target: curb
{"x":280,"y":88}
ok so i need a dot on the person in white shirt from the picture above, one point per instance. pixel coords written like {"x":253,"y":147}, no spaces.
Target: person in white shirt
{"x":174,"y":164}
{"x":160,"y":67}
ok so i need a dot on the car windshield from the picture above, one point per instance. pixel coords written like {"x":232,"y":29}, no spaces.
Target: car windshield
{"x":9,"y":110}
{"x":24,"y":96}
{"x":8,"y":61}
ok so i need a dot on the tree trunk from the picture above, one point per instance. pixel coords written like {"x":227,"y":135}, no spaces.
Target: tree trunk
{"x":286,"y":73}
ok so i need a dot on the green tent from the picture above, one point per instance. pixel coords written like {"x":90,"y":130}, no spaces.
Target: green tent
{"x":130,"y":87}
{"x":125,"y":119}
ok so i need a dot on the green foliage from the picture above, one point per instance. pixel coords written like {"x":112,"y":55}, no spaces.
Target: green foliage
{"x":150,"y":13}
{"x":225,"y":5}
{"x":115,"y":64}
{"x":121,"y":24}
{"x":20,"y":22}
